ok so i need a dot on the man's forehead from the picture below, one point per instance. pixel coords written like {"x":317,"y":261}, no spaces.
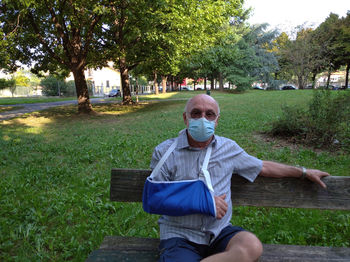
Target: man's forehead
{"x":203,"y":103}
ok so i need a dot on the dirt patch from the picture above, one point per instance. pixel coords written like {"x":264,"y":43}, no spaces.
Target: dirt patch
{"x":279,"y":142}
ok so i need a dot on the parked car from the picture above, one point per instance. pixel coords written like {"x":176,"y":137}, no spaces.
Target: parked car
{"x":309,"y":86}
{"x":333,"y":87}
{"x":288,"y":87}
{"x":258,"y":87}
{"x":330,"y":87}
{"x":114,"y":93}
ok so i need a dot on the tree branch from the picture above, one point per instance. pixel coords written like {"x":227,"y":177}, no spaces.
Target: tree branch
{"x":61,"y":32}
{"x":42,"y":40}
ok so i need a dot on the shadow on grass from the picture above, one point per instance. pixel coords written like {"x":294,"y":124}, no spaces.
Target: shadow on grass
{"x":9,"y":108}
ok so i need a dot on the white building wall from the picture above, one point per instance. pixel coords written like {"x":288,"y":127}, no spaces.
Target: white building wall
{"x":103,"y":80}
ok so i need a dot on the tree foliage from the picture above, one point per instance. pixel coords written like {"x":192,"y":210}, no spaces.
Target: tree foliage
{"x":7,"y":83}
{"x":157,"y":35}
{"x":55,"y":35}
{"x":240,"y":57}
{"x":325,"y":48}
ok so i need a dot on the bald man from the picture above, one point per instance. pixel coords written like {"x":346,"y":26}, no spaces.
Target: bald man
{"x":199,"y":236}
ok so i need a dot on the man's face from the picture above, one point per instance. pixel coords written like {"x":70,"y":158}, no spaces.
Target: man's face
{"x":202,"y":106}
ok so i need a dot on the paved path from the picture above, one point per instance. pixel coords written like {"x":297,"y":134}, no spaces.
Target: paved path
{"x":27,"y":108}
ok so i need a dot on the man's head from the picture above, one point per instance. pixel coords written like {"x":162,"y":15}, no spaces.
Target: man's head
{"x":201,"y":117}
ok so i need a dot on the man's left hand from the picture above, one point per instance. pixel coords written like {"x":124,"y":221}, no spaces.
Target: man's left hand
{"x":315,"y":176}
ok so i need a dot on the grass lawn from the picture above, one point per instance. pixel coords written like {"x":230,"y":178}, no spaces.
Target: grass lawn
{"x":32,"y":100}
{"x":9,"y":108}
{"x":55,"y":174}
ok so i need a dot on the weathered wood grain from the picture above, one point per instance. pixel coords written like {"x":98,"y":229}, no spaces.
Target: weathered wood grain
{"x":146,"y":249}
{"x":127,"y":186}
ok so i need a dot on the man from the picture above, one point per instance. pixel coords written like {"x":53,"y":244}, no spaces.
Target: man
{"x":199,"y":236}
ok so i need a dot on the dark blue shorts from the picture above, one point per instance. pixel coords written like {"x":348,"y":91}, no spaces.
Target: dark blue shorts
{"x":179,"y":249}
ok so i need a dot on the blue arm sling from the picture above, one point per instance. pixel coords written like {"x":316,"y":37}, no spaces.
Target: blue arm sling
{"x":179,"y":198}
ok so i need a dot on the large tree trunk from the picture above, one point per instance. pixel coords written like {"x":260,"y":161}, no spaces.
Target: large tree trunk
{"x":124,"y":73}
{"x":84,"y":104}
{"x":212,"y":83}
{"x":164,"y":80}
{"x":347,"y":75}
{"x":329,"y":77}
{"x":313,"y":79}
{"x":155,"y":83}
{"x":221,"y":82}
{"x":172,"y":83}
{"x":300,"y":82}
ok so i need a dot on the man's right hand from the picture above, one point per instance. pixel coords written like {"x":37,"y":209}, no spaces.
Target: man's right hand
{"x":221,"y":206}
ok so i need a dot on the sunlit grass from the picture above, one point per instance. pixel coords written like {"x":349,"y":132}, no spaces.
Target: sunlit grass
{"x":55,"y":174}
{"x":31,"y":100}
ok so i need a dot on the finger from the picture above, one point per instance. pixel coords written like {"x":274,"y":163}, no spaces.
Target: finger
{"x":322,"y":184}
{"x":220,"y":214}
{"x":223,"y":196}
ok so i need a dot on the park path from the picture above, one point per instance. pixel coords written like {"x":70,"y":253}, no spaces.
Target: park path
{"x":27,"y":108}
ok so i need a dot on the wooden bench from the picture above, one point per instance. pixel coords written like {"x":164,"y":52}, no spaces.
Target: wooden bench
{"x":127,"y":186}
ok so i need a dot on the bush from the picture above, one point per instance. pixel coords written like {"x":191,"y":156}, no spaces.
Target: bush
{"x":323,"y":124}
{"x":52,"y":86}
{"x":70,"y":89}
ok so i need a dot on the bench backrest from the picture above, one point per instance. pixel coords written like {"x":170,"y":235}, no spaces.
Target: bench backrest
{"x":127,"y":186}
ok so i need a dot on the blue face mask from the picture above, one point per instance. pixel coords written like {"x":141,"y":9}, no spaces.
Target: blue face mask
{"x":201,"y":129}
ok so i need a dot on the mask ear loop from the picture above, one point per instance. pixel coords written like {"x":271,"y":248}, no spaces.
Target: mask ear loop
{"x":205,"y":169}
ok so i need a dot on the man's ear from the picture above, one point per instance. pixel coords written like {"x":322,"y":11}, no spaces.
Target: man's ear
{"x":185,"y":118}
{"x":217,"y":121}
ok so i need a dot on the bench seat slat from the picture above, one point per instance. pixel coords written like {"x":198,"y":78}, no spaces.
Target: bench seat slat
{"x":127,"y":186}
{"x":115,"y":248}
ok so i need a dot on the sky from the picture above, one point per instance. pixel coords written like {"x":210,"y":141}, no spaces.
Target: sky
{"x":287,"y":14}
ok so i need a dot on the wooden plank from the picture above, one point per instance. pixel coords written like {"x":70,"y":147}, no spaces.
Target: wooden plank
{"x":118,"y":248}
{"x":110,"y":255}
{"x":127,"y":186}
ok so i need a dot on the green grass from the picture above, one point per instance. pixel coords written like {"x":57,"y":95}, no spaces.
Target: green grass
{"x":55,"y":174}
{"x":9,"y":108}
{"x":32,"y":100}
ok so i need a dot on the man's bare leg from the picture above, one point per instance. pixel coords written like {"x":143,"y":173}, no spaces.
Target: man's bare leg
{"x":243,"y":247}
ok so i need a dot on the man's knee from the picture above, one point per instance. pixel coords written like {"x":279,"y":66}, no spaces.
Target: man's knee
{"x":247,"y":244}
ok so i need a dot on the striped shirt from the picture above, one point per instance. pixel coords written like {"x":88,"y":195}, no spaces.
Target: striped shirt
{"x":185,"y":163}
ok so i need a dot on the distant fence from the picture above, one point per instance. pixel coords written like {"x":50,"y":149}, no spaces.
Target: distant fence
{"x":20,"y":91}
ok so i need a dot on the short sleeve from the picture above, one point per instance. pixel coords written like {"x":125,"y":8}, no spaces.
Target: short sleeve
{"x":247,"y":166}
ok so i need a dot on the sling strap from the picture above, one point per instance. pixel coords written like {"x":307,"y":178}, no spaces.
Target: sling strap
{"x":204,"y":168}
{"x":162,"y":160}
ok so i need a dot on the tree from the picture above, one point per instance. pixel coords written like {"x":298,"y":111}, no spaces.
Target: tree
{"x":259,"y":62}
{"x":278,"y":46}
{"x":18,"y":79}
{"x":56,"y":35}
{"x":326,"y":36}
{"x":5,"y":83}
{"x":159,"y":34}
{"x":240,"y":57}
{"x":342,"y":45}
{"x":296,"y":57}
